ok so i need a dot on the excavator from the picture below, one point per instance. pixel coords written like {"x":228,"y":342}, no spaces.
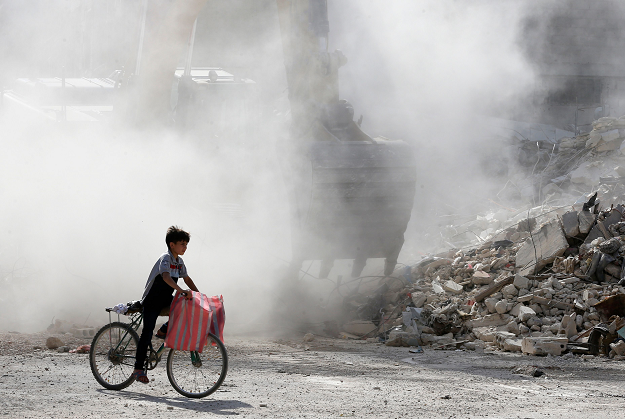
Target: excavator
{"x":351,"y":195}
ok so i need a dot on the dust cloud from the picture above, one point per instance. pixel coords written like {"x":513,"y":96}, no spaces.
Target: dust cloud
{"x":85,"y":209}
{"x":428,"y":72}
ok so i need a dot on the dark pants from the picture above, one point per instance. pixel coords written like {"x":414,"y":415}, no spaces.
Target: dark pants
{"x":149,"y":321}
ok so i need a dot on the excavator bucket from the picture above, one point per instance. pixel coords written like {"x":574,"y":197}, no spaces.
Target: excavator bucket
{"x":359,"y":202}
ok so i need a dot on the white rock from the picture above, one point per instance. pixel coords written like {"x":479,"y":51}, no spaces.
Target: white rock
{"x":510,"y":289}
{"x":481,"y":278}
{"x":452,"y":287}
{"x":544,"y":345}
{"x":490,"y":304}
{"x":501,"y":307}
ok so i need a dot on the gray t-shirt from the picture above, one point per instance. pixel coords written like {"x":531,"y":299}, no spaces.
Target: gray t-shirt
{"x":157,"y":292}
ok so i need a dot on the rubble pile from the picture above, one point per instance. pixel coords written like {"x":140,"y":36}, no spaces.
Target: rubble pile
{"x":536,"y":294}
{"x":552,"y":281}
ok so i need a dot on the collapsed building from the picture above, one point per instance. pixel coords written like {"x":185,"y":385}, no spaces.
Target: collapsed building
{"x":546,"y":280}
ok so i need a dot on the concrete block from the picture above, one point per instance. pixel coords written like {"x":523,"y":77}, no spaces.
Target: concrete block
{"x":452,"y":287}
{"x":481,"y":278}
{"x":544,"y":345}
{"x":542,"y":248}
{"x":570,"y":223}
{"x":522,"y":312}
{"x":512,"y":345}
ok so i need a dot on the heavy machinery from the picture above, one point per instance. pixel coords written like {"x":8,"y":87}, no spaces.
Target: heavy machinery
{"x":351,"y":194}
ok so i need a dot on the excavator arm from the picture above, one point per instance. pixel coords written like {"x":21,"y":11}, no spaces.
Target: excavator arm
{"x":351,"y":195}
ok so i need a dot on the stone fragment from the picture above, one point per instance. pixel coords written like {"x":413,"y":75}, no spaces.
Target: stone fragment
{"x":484,"y":334}
{"x":512,"y":345}
{"x":509,"y":290}
{"x":501,"y":307}
{"x":452,"y":287}
{"x":525,"y":298}
{"x":490,"y":304}
{"x":523,"y":312}
{"x":513,"y":327}
{"x":586,"y":220}
{"x":618,"y":347}
{"x":437,"y":287}
{"x":521,"y":282}
{"x":570,"y":223}
{"x":308,"y":337}
{"x":542,"y":248}
{"x":54,"y":342}
{"x":428,"y":339}
{"x":620,"y":170}
{"x":544,"y":345}
{"x":481,"y":278}
{"x":419,"y":299}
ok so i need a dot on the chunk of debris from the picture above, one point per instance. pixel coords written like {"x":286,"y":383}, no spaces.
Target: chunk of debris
{"x":53,"y":342}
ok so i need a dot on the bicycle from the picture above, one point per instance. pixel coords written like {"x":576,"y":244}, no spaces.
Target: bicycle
{"x":191,"y":373}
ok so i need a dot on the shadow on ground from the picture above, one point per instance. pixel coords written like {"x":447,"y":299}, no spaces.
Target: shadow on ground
{"x":218,"y":407}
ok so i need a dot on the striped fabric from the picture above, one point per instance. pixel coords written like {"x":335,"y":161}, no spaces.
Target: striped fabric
{"x":191,"y":320}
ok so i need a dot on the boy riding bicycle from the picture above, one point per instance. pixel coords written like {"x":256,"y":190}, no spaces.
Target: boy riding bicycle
{"x":163,"y":280}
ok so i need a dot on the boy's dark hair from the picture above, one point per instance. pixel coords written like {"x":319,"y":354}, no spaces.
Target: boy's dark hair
{"x":176,"y":234}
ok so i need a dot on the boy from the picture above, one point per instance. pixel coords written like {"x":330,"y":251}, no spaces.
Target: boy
{"x":158,"y":293}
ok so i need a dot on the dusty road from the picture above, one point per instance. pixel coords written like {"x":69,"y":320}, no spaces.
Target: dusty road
{"x":322,"y":379}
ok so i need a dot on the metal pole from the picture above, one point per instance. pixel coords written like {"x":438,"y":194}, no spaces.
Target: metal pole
{"x":187,"y":65}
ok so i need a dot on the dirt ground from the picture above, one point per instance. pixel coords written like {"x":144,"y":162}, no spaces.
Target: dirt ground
{"x":324,"y":378}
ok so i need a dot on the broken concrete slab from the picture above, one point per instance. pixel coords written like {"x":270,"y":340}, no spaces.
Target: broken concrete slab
{"x":541,"y":248}
{"x":570,"y":223}
{"x":544,"y":345}
{"x":481,"y":278}
{"x":452,"y":287}
{"x":601,"y":228}
{"x":585,"y":219}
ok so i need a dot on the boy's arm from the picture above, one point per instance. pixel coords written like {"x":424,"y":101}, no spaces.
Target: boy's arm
{"x":190,"y":284}
{"x":171,"y":283}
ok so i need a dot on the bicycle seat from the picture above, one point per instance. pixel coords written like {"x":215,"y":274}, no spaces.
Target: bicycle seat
{"x":131,"y":307}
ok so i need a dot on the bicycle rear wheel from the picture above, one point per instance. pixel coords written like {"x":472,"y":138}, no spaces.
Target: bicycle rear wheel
{"x":194,"y":374}
{"x":112,"y":355}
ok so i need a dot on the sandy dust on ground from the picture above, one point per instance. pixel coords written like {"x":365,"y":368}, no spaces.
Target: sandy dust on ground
{"x":325,"y":378}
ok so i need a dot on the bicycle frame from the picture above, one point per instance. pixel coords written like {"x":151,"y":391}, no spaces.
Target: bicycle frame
{"x":135,"y":322}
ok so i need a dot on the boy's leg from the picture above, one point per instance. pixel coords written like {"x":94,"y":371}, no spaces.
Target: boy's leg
{"x":149,"y":321}
{"x":162,"y":332}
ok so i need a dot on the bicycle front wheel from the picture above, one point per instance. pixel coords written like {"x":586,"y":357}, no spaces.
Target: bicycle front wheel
{"x":194,"y":374}
{"x":112,"y":355}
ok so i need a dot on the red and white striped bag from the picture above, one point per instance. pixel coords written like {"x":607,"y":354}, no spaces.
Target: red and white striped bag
{"x":191,"y":320}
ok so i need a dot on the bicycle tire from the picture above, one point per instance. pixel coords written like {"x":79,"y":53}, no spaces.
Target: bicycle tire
{"x":111,"y":366}
{"x":198,"y":379}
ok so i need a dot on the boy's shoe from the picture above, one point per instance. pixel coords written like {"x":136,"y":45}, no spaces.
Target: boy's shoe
{"x":160,"y":335}
{"x":141,"y":377}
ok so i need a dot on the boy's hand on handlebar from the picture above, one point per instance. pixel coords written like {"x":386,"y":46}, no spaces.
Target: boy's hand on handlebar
{"x":187,"y":294}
